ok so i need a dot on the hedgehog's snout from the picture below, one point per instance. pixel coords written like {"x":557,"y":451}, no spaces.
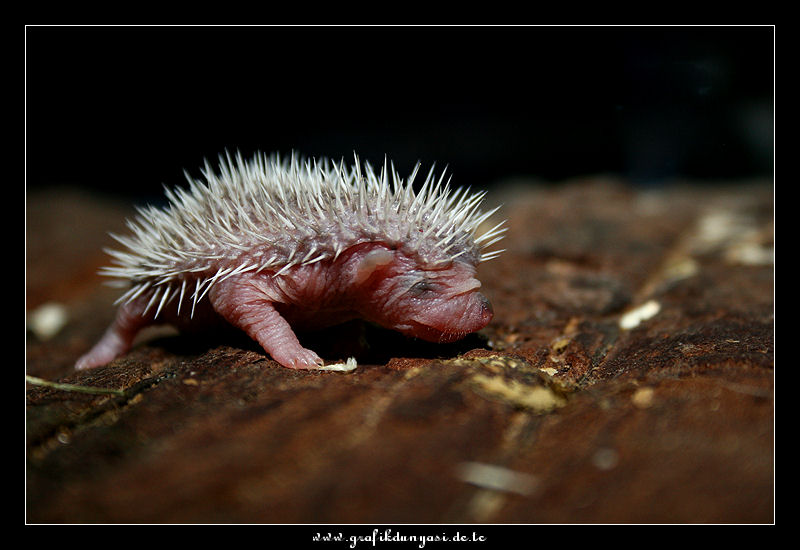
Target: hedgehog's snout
{"x":476,"y":314}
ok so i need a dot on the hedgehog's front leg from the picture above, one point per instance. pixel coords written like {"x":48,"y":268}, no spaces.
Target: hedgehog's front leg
{"x":243,"y":304}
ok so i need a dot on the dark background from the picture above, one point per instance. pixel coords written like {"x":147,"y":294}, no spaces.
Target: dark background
{"x":125,"y":109}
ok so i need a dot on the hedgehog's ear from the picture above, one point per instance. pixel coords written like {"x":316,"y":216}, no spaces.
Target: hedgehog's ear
{"x":371,"y":263}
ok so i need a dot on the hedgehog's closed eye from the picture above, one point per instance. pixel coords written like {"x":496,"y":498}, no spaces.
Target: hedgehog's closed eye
{"x":422,"y":286}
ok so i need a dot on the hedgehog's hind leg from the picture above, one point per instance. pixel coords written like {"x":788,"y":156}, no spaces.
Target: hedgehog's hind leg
{"x":246,"y":307}
{"x":118,"y":338}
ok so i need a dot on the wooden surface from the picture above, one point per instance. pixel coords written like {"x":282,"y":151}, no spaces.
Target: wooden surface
{"x":563,"y":410}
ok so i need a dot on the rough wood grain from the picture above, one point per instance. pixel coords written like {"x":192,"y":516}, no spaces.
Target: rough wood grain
{"x":554,"y":413}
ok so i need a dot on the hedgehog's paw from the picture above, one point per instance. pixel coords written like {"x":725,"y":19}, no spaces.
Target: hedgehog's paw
{"x":298,"y":358}
{"x":92,"y":360}
{"x":108,"y":348}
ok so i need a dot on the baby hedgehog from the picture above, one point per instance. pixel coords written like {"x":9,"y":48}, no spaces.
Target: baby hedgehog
{"x":277,"y":245}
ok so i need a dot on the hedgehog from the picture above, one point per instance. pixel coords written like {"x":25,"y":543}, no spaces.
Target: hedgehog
{"x":271,"y":245}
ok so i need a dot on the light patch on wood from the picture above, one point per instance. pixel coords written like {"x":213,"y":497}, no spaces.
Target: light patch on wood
{"x":537,"y":398}
{"x":634,"y":317}
{"x":643,"y":397}
{"x":496,"y":478}
{"x":347,"y":366}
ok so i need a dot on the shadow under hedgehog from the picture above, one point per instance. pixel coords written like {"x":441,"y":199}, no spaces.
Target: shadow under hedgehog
{"x":282,"y":244}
